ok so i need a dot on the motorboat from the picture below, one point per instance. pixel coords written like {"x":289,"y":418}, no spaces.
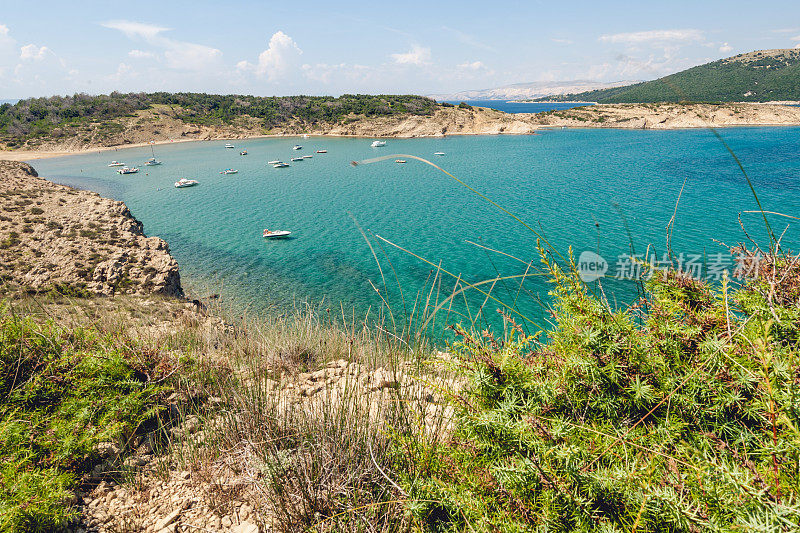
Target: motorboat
{"x":275,"y":162}
{"x":243,"y":152}
{"x":322,"y":151}
{"x":378,"y":144}
{"x":183,"y":182}
{"x":116,"y":164}
{"x":152,"y":162}
{"x":229,"y":171}
{"x":128,"y":170}
{"x":297,"y":147}
{"x":399,"y":160}
{"x":280,"y":164}
{"x":229,"y":145}
{"x":309,"y":156}
{"x":276,"y":234}
{"x":297,"y":159}
{"x":438,"y":153}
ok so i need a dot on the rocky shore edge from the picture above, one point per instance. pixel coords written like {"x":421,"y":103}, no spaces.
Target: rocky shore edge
{"x":57,"y":238}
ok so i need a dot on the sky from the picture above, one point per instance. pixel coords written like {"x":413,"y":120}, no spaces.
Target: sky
{"x":334,"y":47}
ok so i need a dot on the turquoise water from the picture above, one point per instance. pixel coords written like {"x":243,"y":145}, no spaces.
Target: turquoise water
{"x":578,"y":188}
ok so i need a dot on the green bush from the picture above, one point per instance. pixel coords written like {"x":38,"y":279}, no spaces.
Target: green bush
{"x":680,"y":413}
{"x":61,"y":393}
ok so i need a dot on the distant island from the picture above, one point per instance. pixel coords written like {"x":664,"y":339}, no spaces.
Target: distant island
{"x":760,"y":76}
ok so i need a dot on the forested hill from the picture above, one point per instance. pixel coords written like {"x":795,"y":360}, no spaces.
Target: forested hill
{"x":38,"y":117}
{"x":762,"y":76}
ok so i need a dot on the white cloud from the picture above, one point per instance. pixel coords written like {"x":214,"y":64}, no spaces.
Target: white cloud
{"x":140,"y":54}
{"x":418,"y":55}
{"x":561,"y":41}
{"x":796,"y":38}
{"x":31,"y":52}
{"x":342,"y":74}
{"x":725,"y":48}
{"x":276,"y":61}
{"x":475,"y":65}
{"x":132,"y":30}
{"x":654,"y":36}
{"x":178,"y":54}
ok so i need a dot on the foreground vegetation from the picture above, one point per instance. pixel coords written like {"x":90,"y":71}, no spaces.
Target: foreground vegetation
{"x":37,"y":117}
{"x":679,"y":413}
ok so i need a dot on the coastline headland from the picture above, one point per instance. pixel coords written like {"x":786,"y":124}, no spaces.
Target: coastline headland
{"x":159,"y":125}
{"x":54,"y":237}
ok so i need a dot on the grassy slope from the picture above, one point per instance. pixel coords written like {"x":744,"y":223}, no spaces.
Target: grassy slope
{"x":747,"y":78}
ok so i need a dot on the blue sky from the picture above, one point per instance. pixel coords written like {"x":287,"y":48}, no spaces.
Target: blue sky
{"x":330,"y":47}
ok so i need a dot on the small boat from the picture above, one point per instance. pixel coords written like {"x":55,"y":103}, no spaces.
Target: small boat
{"x":297,"y":147}
{"x":277,"y":234}
{"x":438,"y":153}
{"x":275,"y":162}
{"x":322,"y":151}
{"x":243,"y":152}
{"x":399,"y":160}
{"x":152,"y":162}
{"x":280,"y":164}
{"x":183,"y":182}
{"x":308,"y":156}
{"x":305,"y":136}
{"x":116,"y":164}
{"x":128,"y":170}
{"x":378,"y":144}
{"x":229,"y":171}
{"x":229,"y":145}
{"x":297,"y":159}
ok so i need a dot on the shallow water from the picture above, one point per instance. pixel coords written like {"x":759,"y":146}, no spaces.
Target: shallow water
{"x":577,"y":188}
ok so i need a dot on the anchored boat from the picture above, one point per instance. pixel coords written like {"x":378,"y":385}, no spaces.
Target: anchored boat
{"x":128,"y":170}
{"x":183,"y":182}
{"x":277,"y":234}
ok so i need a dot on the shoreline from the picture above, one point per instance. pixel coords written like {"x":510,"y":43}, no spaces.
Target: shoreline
{"x":479,"y":121}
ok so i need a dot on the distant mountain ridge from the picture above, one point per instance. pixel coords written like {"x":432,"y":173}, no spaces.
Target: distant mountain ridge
{"x":527,"y":91}
{"x":759,"y":76}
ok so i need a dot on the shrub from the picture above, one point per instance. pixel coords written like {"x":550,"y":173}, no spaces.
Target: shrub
{"x":677,"y":414}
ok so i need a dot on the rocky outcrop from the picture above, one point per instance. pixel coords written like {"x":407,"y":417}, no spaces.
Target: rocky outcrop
{"x":671,"y":116}
{"x":56,"y":237}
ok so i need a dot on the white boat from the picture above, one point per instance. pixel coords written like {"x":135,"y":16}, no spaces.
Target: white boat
{"x":243,"y":152}
{"x":277,"y":234}
{"x":128,"y":170}
{"x":399,"y":160}
{"x":275,"y":162}
{"x":229,"y":171}
{"x":280,"y":164}
{"x":322,"y":151}
{"x":378,"y":144}
{"x":183,"y":182}
{"x":229,"y":145}
{"x":305,"y":136}
{"x":116,"y":164}
{"x":297,"y":147}
{"x":307,"y":156}
{"x":438,"y":153}
{"x":152,"y":162}
{"x":297,"y":159}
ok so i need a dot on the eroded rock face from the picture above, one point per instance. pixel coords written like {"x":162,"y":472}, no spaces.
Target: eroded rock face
{"x":54,"y":236}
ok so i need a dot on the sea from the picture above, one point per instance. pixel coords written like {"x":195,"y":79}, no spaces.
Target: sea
{"x":458,"y":237}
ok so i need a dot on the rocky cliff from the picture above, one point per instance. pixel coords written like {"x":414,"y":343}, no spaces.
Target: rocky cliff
{"x":54,"y":237}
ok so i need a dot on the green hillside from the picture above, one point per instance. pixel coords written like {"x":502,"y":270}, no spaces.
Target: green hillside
{"x":762,"y":76}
